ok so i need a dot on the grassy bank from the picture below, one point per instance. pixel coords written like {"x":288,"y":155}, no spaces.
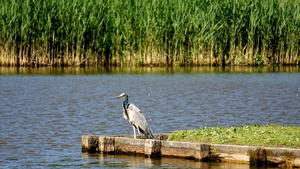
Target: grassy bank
{"x":271,"y":135}
{"x":149,"y":32}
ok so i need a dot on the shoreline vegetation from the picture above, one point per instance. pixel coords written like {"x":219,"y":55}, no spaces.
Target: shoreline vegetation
{"x":271,"y":135}
{"x":46,"y":70}
{"x":149,"y":32}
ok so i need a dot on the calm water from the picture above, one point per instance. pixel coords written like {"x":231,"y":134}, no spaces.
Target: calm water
{"x":44,"y":112}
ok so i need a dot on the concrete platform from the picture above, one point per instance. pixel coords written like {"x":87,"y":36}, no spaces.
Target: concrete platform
{"x":160,"y":147}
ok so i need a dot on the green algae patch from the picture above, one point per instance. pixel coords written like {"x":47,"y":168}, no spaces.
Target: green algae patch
{"x":271,"y":135}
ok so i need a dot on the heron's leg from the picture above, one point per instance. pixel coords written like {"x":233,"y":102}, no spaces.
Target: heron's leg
{"x":138,"y":130}
{"x":134,"y":132}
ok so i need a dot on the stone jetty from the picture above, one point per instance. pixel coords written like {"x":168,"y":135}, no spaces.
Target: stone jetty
{"x":160,"y":147}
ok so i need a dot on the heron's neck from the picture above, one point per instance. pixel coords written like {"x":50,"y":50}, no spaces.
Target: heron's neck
{"x":126,"y":99}
{"x":125,"y":103}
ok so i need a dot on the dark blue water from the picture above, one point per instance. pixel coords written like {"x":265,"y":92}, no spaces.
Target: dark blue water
{"x":44,"y":112}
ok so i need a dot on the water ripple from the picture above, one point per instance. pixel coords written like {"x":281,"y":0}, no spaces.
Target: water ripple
{"x":43,"y":117}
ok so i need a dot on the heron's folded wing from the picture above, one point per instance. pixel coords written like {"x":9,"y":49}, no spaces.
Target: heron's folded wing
{"x":135,"y":112}
{"x":137,"y":117}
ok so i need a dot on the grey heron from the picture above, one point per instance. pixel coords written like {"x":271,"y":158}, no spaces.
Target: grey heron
{"x":136,"y":117}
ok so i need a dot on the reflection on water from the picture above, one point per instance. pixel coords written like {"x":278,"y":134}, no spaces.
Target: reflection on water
{"x":117,"y":161}
{"x":45,"y":111}
{"x":143,"y":70}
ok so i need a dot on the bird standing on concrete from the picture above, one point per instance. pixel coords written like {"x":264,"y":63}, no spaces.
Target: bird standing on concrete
{"x":136,"y":117}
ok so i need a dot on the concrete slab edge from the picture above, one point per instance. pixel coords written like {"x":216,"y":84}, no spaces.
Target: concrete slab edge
{"x":161,"y":147}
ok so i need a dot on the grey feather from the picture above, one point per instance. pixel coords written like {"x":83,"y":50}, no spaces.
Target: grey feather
{"x":136,"y":117}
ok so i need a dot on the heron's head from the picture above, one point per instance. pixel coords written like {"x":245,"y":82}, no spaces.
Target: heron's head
{"x":123,"y":95}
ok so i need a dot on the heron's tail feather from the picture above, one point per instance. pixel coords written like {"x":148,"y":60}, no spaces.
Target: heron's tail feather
{"x":150,"y":135}
{"x":147,"y":132}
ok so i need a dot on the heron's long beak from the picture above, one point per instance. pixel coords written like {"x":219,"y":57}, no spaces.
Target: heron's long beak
{"x":119,"y":97}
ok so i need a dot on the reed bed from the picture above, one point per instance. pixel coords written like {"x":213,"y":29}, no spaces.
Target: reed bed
{"x":149,"y":32}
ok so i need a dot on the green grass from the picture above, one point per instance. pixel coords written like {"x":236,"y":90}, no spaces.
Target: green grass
{"x":271,"y":135}
{"x":149,"y":32}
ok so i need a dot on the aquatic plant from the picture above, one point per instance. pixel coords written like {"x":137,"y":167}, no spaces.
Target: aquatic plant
{"x":149,"y":32}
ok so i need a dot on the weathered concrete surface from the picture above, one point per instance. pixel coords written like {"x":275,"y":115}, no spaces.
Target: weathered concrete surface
{"x":106,"y":144}
{"x":160,"y":147}
{"x":229,"y":153}
{"x":185,"y":149}
{"x":90,"y":143}
{"x":129,"y":145}
{"x":283,"y":156}
{"x":153,"y":148}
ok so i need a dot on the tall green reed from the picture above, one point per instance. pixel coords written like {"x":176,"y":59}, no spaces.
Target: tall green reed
{"x":149,"y":32}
